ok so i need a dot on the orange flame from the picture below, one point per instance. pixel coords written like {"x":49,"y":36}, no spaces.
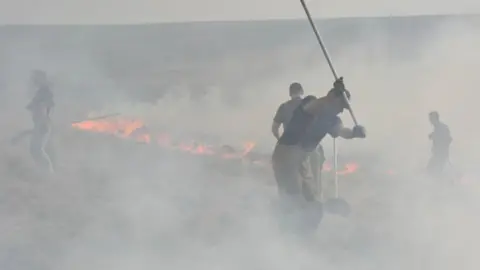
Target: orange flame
{"x":347,"y":169}
{"x":121,"y":128}
{"x":136,"y":130}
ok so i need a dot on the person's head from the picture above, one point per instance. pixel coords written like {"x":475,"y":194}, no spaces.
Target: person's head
{"x":337,"y":101}
{"x":296,"y":90}
{"x":434,"y":117}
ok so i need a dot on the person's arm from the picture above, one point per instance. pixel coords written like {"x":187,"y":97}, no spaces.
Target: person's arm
{"x":276,"y":129}
{"x":277,"y":122}
{"x":339,"y":130}
{"x":346,"y":133}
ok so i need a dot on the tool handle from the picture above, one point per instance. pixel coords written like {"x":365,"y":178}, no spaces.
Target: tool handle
{"x":327,"y":56}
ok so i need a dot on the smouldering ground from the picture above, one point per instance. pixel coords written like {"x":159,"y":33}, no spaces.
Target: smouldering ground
{"x":116,"y":204}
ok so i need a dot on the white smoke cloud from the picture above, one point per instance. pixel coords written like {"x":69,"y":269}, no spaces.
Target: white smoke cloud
{"x":123,"y":206}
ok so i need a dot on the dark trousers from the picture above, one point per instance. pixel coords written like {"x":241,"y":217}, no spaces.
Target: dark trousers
{"x":41,"y":148}
{"x":316,"y":161}
{"x":297,"y":192}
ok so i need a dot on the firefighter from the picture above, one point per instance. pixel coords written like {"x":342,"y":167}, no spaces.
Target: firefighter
{"x":282,"y":117}
{"x":40,"y":108}
{"x":441,"y":140}
{"x":311,"y":121}
{"x":285,"y":110}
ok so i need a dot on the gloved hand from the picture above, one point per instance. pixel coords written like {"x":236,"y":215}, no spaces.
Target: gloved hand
{"x":338,"y":84}
{"x":359,"y":132}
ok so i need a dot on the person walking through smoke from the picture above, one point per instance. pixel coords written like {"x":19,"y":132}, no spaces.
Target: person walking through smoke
{"x":40,"y":108}
{"x":311,"y":121}
{"x":441,"y":140}
{"x":282,"y":118}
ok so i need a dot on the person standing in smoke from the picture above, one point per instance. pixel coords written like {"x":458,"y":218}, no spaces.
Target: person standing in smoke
{"x":40,"y":108}
{"x":441,"y":140}
{"x":282,"y":117}
{"x":285,"y":110}
{"x":311,"y":121}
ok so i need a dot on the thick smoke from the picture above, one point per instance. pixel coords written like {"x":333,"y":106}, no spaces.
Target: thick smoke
{"x":116,"y":205}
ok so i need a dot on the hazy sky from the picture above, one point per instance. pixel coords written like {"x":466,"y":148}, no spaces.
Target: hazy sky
{"x":138,"y":11}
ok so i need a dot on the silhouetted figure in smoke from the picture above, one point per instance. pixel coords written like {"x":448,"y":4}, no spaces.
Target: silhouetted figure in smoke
{"x":311,"y":121}
{"x":40,"y":108}
{"x":441,"y":140}
{"x":282,"y":118}
{"x":285,"y":110}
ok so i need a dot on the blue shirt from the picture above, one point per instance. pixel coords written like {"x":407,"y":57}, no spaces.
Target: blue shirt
{"x":307,"y":130}
{"x":322,"y":125}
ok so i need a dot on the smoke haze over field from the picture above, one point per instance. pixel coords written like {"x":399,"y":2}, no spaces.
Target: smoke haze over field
{"x":119,"y":206}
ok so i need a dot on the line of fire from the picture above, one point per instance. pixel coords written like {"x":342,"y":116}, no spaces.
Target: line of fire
{"x":137,"y":131}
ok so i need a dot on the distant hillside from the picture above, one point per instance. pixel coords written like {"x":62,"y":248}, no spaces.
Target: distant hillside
{"x":161,"y":55}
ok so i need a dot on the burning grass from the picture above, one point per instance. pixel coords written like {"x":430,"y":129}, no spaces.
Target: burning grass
{"x":161,"y":189}
{"x":136,"y":130}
